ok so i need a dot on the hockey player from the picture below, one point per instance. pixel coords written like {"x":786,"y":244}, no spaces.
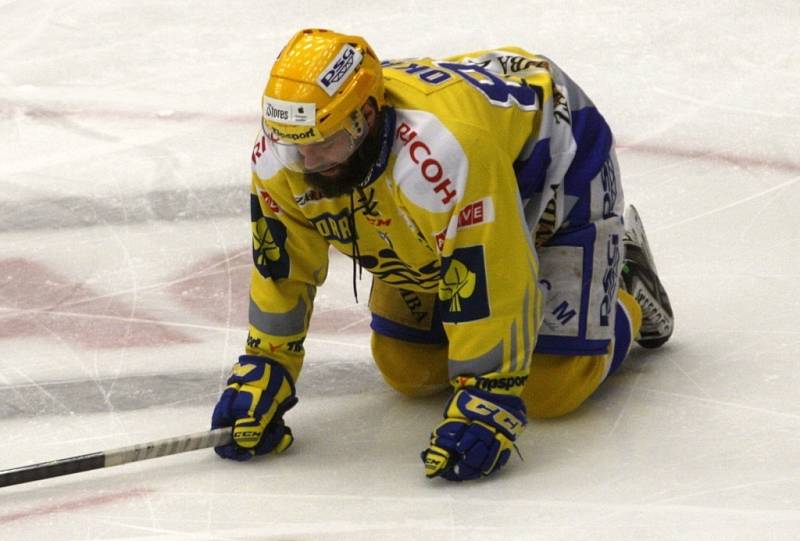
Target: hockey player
{"x":482,"y":192}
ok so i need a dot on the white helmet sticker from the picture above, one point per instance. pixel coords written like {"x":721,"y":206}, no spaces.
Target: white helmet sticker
{"x":340,"y":68}
{"x":289,"y":112}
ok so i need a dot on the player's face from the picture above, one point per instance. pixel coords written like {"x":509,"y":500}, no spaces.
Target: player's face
{"x":341,"y":179}
{"x":338,"y":163}
{"x":326,"y":156}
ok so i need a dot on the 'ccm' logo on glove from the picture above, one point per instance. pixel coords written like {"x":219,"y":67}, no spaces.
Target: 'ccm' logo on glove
{"x":498,"y":415}
{"x":476,"y":436}
{"x":259,"y":392}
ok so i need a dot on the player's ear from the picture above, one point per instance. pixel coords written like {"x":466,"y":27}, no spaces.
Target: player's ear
{"x":370,"y":112}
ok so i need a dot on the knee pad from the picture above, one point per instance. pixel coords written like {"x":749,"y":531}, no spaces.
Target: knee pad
{"x":558,"y":384}
{"x":411,"y":368}
{"x":633,"y":312}
{"x":408,"y":340}
{"x":628,"y":324}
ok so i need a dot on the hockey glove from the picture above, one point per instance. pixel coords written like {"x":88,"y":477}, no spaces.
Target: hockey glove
{"x":259,"y":392}
{"x":476,"y":436}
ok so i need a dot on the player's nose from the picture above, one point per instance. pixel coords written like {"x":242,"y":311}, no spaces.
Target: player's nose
{"x":312,"y":157}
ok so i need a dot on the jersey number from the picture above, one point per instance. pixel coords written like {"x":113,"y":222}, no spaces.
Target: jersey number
{"x":499,"y":91}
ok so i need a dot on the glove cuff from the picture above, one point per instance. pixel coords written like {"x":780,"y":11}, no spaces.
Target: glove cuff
{"x":504,"y":413}
{"x":276,"y":369}
{"x":510,"y":402}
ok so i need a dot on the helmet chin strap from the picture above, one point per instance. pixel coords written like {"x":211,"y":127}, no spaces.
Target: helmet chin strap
{"x":385,"y":127}
{"x":386,"y":121}
{"x":365,"y":165}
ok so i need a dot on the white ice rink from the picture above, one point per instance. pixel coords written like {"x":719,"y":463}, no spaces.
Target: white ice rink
{"x":125,"y":136}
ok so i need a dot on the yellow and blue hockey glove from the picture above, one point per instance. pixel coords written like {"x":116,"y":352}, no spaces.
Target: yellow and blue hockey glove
{"x":476,"y":437}
{"x":259,"y":392}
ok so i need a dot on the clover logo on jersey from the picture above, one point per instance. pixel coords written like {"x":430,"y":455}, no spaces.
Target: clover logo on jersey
{"x":462,"y":289}
{"x":269,"y":244}
{"x":264,"y":244}
{"x":457,"y":283}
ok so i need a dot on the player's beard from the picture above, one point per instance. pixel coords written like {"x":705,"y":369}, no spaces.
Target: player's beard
{"x":343,"y":178}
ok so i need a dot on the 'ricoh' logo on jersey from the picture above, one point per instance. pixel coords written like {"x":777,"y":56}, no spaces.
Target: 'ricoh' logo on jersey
{"x":259,"y":148}
{"x":430,"y":167}
{"x":264,"y":163}
{"x":339,"y":69}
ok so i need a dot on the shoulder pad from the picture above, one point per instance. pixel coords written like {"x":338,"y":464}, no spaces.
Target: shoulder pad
{"x":262,"y":161}
{"x":431,"y":168}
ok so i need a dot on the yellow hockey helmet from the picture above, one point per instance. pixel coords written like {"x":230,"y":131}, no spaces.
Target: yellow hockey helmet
{"x":316,"y":89}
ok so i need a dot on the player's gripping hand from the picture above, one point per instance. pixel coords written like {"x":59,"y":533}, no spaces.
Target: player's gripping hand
{"x":476,"y":437}
{"x":259,"y":392}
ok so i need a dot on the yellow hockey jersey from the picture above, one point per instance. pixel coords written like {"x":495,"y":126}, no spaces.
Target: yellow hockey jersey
{"x":486,"y":156}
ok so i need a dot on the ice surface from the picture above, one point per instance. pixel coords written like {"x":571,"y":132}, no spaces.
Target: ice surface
{"x":125,"y":132}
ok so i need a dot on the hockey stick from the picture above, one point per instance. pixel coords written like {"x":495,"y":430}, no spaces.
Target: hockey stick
{"x":115,"y":457}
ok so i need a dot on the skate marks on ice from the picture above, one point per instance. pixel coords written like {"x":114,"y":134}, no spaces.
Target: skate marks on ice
{"x":183,"y":204}
{"x":71,"y":504}
{"x":173,"y":205}
{"x":37,"y":300}
{"x":124,"y":393}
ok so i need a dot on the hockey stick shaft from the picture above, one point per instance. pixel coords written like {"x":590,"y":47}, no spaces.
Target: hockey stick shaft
{"x":115,"y":457}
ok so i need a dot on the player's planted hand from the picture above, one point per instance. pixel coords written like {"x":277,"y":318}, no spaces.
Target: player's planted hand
{"x":259,"y":392}
{"x":476,"y":437}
